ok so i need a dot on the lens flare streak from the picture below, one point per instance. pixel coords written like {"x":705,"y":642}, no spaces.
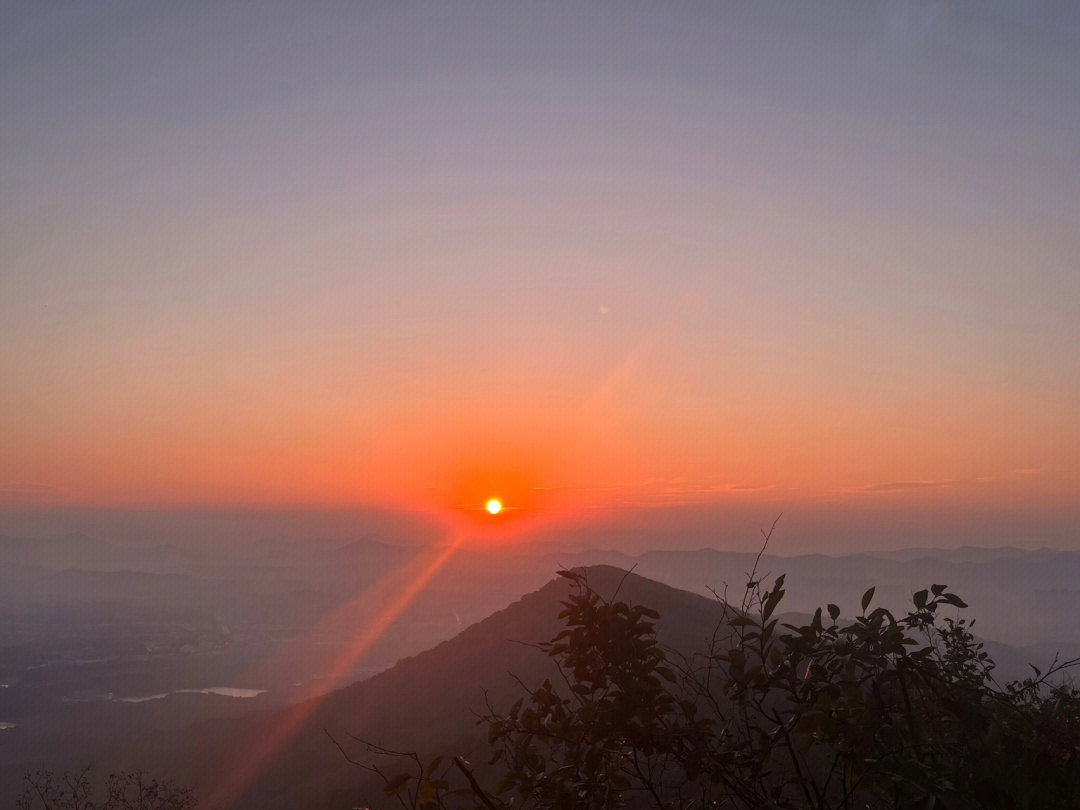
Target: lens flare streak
{"x":258,"y":748}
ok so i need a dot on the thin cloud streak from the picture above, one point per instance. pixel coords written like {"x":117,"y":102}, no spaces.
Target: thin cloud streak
{"x":900,"y":486}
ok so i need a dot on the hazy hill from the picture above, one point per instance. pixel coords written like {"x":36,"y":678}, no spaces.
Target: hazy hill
{"x":427,"y":701}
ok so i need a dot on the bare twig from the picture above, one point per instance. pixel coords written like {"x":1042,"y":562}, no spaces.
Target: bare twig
{"x":474,"y":785}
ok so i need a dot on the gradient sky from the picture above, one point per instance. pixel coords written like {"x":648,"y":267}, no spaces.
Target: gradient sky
{"x":592,"y":257}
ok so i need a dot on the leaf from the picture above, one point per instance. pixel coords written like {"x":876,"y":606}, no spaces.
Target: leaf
{"x":767,"y":630}
{"x":834,"y":612}
{"x":919,"y":598}
{"x":426,"y":792}
{"x":954,"y":600}
{"x":396,"y":784}
{"x":771,"y":603}
{"x":866,"y":597}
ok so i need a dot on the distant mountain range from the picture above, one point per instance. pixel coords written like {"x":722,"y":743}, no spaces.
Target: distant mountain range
{"x":1018,"y":596}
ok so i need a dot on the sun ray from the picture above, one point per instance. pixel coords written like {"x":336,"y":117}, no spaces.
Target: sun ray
{"x":396,"y":592}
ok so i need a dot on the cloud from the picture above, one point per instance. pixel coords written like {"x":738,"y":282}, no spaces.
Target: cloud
{"x":900,"y":486}
{"x":31,"y":491}
{"x":1011,"y":475}
{"x":679,"y":492}
{"x":745,"y":487}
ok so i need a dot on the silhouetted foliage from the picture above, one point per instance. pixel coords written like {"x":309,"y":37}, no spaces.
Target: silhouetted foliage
{"x":882,"y":711}
{"x":125,"y":790}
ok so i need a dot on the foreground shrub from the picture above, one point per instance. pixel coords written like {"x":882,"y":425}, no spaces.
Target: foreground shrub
{"x":881,"y":711}
{"x":125,"y":790}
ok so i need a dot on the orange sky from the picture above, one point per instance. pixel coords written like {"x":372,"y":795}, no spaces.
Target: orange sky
{"x":578,"y":264}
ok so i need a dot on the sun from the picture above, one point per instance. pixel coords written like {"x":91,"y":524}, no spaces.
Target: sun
{"x":493,"y":506}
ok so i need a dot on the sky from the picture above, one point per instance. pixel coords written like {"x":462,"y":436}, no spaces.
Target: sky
{"x":591,"y":259}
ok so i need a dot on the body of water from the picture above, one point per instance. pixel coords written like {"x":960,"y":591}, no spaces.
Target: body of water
{"x":222,"y":691}
{"x":225,"y":691}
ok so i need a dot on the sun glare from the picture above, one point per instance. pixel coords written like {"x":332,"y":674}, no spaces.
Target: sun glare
{"x":494,"y":506}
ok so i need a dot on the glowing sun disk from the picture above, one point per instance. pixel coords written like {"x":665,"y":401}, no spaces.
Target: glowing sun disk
{"x":493,"y":506}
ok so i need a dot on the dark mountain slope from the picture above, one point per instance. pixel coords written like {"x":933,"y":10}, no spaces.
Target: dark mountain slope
{"x":429,"y":702}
